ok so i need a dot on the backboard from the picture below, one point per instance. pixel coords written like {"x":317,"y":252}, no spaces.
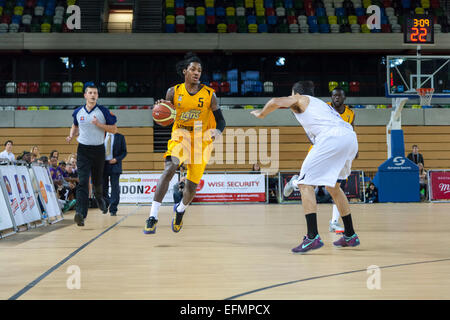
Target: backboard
{"x":405,"y":74}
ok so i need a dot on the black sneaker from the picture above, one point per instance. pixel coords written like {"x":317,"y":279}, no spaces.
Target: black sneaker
{"x":150,"y":225}
{"x":79,"y":220}
{"x":102,"y":205}
{"x":177,"y":221}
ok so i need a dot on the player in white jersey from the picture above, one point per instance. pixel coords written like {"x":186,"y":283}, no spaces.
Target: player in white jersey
{"x":335,"y":147}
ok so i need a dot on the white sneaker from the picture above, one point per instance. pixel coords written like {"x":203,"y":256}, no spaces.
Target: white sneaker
{"x":290,"y":187}
{"x":335,"y":227}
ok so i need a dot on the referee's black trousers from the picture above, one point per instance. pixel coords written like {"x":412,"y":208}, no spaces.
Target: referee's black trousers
{"x":90,"y":163}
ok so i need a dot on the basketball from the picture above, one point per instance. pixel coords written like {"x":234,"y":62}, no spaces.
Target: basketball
{"x":164,"y":113}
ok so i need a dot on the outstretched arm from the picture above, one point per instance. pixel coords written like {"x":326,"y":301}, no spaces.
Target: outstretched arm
{"x":274,"y":104}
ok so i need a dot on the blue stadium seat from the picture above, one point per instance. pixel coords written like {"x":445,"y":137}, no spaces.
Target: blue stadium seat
{"x":314,"y":28}
{"x":179,"y":4}
{"x":268,"y":4}
{"x":201,"y":20}
{"x":251,"y":19}
{"x":263,"y":28}
{"x":340,"y":12}
{"x":220,"y":11}
{"x":312,"y":20}
{"x":320,"y":12}
{"x":272,"y":20}
{"x":324,"y":28}
{"x":360,"y":12}
{"x":210,"y":11}
{"x":288,"y":4}
{"x":406,"y":4}
{"x":170,"y":28}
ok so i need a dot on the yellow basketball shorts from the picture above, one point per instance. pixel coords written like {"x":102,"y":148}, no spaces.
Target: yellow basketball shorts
{"x":194,"y":154}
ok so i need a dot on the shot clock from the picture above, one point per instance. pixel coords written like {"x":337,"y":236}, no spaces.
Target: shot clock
{"x":418,"y":29}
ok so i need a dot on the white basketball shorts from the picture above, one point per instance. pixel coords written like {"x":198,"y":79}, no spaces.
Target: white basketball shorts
{"x":330,"y":158}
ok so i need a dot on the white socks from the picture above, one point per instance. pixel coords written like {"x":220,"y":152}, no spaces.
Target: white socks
{"x":181,"y":207}
{"x":155,"y":209}
{"x":336,"y":214}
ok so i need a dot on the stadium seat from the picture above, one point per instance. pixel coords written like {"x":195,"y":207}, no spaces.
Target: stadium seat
{"x":332,"y":85}
{"x":32,"y":108}
{"x":11,"y":88}
{"x":33,"y":87}
{"x":122,"y":87}
{"x":225,"y":87}
{"x":67,"y":87}
{"x":55,"y":88}
{"x":200,"y":11}
{"x":354,"y":87}
{"x":22,"y":88}
{"x":123,"y":107}
{"x":44,"y":108}
{"x":268,"y":87}
{"x":44,"y":88}
{"x":221,"y":28}
{"x":78,"y":87}
{"x":111,"y":87}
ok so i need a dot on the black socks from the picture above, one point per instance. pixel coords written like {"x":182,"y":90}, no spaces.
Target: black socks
{"x":348,"y":225}
{"x":311,"y":222}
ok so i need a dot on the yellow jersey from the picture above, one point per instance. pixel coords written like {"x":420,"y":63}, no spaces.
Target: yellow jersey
{"x":348,"y":115}
{"x":193,"y":108}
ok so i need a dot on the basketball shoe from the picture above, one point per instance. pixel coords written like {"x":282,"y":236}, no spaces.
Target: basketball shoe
{"x":290,"y":187}
{"x":345,"y":241}
{"x":335,"y":227}
{"x":150,"y":225}
{"x":308,"y":244}
{"x":177,"y":221}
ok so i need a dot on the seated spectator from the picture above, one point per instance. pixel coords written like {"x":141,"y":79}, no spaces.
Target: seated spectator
{"x":7,"y":153}
{"x":256,"y":168}
{"x":43,"y":160}
{"x":34,"y":158}
{"x":371,"y":193}
{"x":72,"y":159}
{"x":322,"y":195}
{"x":55,"y":154}
{"x":415,"y":156}
{"x":423,"y":180}
{"x":26,"y":156}
{"x":35,"y":150}
{"x":55,"y":172}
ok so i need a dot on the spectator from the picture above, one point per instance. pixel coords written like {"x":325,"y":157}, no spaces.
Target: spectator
{"x":371,"y":193}
{"x":415,"y":156}
{"x":72,"y":159}
{"x":115,"y":152}
{"x":179,"y":186}
{"x":256,"y":168}
{"x":7,"y":153}
{"x":35,"y":150}
{"x":26,"y":156}
{"x":423,"y":180}
{"x":55,"y":154}
{"x":55,"y":172}
{"x":34,"y":158}
{"x":43,"y":160}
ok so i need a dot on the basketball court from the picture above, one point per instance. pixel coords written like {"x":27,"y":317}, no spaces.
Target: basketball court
{"x":232,"y":252}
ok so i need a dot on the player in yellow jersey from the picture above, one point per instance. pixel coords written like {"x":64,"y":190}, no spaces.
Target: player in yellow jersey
{"x":337,"y":102}
{"x":198,"y":122}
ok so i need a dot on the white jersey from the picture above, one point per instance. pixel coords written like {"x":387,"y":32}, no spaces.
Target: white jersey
{"x":319,"y":119}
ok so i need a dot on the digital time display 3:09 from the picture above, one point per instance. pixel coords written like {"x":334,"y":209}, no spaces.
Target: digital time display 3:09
{"x":418,"y":29}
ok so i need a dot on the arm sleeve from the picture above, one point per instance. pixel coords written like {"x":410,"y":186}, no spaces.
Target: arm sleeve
{"x":74,"y":115}
{"x":220,"y":121}
{"x":109,"y":117}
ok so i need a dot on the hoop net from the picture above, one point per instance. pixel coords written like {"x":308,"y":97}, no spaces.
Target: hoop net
{"x":425,"y":96}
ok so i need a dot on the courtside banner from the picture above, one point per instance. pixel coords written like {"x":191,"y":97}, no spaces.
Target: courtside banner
{"x":231,"y":188}
{"x":5,"y":217}
{"x":17,"y":201}
{"x":439,"y":182}
{"x":27,"y":190}
{"x":48,"y":196}
{"x":140,"y":187}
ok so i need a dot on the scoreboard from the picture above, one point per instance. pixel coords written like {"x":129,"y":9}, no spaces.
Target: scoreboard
{"x":418,"y":29}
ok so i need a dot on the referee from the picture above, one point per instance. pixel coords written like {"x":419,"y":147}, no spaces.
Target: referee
{"x":90,"y":123}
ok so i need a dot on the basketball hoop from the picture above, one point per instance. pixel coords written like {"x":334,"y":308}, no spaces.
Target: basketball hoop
{"x":425,"y":96}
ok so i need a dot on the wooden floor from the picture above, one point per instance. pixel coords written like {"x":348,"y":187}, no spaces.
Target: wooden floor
{"x":236,"y":251}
